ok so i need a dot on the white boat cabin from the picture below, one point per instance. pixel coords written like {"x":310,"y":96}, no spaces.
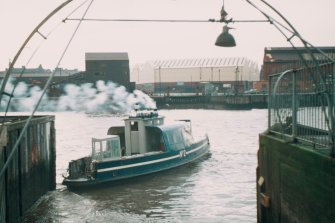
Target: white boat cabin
{"x":144,"y":132}
{"x":140,"y":139}
{"x":139,"y":135}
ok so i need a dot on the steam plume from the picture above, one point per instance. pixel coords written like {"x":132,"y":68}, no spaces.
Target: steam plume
{"x":105,"y":97}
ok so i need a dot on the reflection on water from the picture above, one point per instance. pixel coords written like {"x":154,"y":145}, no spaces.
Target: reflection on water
{"x":219,"y":188}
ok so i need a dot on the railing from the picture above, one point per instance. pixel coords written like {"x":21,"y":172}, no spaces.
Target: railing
{"x":301,"y":105}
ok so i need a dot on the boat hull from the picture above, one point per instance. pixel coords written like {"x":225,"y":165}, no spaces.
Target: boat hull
{"x":129,"y":167}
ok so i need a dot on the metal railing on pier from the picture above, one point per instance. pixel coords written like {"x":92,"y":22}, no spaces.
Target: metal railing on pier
{"x":301,"y":105}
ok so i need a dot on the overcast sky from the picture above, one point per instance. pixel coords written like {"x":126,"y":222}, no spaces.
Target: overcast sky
{"x":151,"y":41}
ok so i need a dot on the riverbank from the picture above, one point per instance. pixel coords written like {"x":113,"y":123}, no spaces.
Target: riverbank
{"x":229,"y":102}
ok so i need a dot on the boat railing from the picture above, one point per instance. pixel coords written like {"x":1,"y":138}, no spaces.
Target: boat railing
{"x":301,"y":105}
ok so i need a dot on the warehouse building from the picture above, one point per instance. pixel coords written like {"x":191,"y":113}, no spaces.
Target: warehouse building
{"x":196,"y":76}
{"x":277,"y":59}
{"x":108,"y":67}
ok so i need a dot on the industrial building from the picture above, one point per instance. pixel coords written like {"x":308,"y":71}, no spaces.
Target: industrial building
{"x":282,"y":58}
{"x":199,"y":76}
{"x":39,"y":76}
{"x":108,"y":67}
{"x":277,"y":59}
{"x":99,"y":66}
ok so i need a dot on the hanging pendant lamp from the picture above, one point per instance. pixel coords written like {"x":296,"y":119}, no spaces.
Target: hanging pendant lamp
{"x":225,"y":39}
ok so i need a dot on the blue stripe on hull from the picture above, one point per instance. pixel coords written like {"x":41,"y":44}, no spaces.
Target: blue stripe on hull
{"x":127,"y":168}
{"x":151,"y":164}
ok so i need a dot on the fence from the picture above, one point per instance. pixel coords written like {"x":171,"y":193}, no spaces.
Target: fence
{"x":301,"y":105}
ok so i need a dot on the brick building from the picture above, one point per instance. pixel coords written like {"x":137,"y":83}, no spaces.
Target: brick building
{"x":277,"y":59}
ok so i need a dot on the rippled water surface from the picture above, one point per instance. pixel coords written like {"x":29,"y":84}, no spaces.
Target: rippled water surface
{"x":219,"y":188}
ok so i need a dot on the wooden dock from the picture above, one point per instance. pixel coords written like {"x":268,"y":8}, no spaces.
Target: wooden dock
{"x":32,"y":171}
{"x":295,"y":182}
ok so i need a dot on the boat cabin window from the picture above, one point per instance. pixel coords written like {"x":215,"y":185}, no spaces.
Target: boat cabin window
{"x":134,"y":126}
{"x":187,"y":134}
{"x":155,"y":139}
{"x":106,"y":148}
{"x":175,"y":139}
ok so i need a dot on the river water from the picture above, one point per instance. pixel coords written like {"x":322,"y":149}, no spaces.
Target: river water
{"x":219,"y":188}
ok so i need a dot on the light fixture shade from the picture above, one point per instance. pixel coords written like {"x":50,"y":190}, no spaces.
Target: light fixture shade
{"x":225,"y":39}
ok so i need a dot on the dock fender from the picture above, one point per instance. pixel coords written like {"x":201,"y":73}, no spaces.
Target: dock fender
{"x":93,"y":168}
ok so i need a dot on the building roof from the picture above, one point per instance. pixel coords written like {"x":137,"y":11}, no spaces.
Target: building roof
{"x":202,"y":62}
{"x":106,"y":56}
{"x":272,"y":54}
{"x":290,"y":49}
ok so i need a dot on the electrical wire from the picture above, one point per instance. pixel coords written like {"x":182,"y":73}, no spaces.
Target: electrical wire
{"x":159,"y":20}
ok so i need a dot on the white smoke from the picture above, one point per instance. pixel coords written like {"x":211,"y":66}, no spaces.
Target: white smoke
{"x":105,"y":97}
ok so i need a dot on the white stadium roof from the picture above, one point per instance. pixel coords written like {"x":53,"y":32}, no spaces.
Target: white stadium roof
{"x":203,"y":62}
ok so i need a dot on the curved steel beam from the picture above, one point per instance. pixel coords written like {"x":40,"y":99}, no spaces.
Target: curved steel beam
{"x":323,"y":89}
{"x":2,"y":171}
{"x":5,"y":80}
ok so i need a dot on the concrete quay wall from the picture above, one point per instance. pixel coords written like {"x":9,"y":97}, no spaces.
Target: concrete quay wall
{"x":212,"y":102}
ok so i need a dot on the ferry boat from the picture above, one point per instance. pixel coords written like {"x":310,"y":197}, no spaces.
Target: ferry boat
{"x":144,"y":145}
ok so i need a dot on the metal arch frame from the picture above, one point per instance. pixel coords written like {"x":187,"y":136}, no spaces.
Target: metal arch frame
{"x":275,"y":88}
{"x":16,"y":146}
{"x":36,"y":30}
{"x":293,"y":31}
{"x":323,"y":91}
{"x":4,"y":82}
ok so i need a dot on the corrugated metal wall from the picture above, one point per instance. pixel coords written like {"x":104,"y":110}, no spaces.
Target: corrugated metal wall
{"x":32,"y":171}
{"x":195,"y":70}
